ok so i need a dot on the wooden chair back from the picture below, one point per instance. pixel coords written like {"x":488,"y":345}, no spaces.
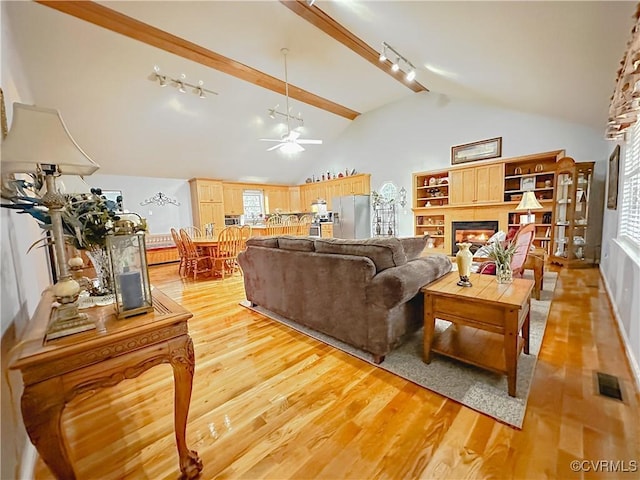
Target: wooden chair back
{"x":290,"y":225}
{"x":274,"y":225}
{"x":245,"y":233}
{"x":303,"y":224}
{"x":194,"y":258}
{"x":229,"y":244}
{"x":182,"y":268}
{"x":193,"y":231}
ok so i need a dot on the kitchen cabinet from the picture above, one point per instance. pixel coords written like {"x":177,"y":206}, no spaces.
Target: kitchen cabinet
{"x":294,"y":199}
{"x":208,"y":190}
{"x":359,"y":184}
{"x":277,"y":199}
{"x":484,"y":184}
{"x":310,"y":192}
{"x":233,"y":203}
{"x":326,"y":230}
{"x":207,"y":203}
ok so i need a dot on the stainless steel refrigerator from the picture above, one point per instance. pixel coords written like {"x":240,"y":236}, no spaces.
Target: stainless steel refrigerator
{"x":351,"y":216}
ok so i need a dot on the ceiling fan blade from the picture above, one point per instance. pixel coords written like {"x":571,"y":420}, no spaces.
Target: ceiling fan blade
{"x":275,"y":147}
{"x":270,"y":140}
{"x":309,"y":142}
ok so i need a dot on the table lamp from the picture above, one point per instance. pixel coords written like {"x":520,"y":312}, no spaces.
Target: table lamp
{"x":39,"y":142}
{"x":528,"y":202}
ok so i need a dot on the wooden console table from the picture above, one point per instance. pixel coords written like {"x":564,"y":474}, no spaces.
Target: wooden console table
{"x":486,"y":320}
{"x":56,"y":371}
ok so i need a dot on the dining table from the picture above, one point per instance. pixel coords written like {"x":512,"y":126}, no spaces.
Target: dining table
{"x":208,"y":244}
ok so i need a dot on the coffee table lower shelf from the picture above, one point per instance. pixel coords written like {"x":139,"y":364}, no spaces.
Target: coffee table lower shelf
{"x":473,"y":346}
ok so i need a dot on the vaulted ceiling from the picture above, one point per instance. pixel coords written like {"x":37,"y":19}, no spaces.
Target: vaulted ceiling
{"x":550,"y":58}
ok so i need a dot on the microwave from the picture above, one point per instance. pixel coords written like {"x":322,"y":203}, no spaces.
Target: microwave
{"x":230,"y":220}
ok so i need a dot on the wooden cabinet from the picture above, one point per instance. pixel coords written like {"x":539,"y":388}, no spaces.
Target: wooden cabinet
{"x":311,"y":192}
{"x":482,"y":184}
{"x":207,"y":203}
{"x":233,"y":202}
{"x":359,"y":184}
{"x":208,"y":190}
{"x":571,"y":223}
{"x":294,"y":199}
{"x":276,"y":199}
{"x":326,"y":230}
{"x":356,"y":185}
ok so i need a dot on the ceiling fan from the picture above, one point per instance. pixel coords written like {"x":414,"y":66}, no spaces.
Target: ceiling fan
{"x":290,"y":142}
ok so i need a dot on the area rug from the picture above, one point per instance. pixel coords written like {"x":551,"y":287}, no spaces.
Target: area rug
{"x":479,"y":389}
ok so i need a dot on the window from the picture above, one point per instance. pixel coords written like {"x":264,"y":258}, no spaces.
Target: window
{"x":253,"y":202}
{"x":630,"y":209}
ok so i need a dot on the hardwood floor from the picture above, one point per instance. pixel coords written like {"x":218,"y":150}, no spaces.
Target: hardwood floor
{"x":271,"y":403}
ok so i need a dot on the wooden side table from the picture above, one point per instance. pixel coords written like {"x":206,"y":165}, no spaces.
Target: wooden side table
{"x":477,"y":314}
{"x":535,"y":261}
{"x":54,"y":372}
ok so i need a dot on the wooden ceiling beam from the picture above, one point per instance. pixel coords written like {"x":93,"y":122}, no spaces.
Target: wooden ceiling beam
{"x":314,"y":15}
{"x":132,"y":28}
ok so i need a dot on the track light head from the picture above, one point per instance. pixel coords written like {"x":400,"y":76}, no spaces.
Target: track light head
{"x":396,"y":66}
{"x":411,"y":75}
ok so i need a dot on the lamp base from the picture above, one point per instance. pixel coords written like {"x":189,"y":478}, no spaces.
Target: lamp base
{"x":65,"y":320}
{"x":464,"y":281}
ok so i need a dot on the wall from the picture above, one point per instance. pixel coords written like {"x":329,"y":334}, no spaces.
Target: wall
{"x":24,"y":277}
{"x":417,"y":134}
{"x":160,"y":219}
{"x":620,"y":267}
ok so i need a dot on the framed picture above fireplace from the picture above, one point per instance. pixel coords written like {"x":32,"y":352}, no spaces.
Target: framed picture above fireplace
{"x":471,"y":152}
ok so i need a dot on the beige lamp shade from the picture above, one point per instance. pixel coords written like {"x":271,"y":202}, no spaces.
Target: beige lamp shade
{"x":529,"y":202}
{"x":38,"y":137}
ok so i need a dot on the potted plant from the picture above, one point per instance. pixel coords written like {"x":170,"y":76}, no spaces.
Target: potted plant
{"x":502,"y":254}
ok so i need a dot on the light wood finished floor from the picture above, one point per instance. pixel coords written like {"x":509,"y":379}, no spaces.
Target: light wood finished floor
{"x":269,"y":403}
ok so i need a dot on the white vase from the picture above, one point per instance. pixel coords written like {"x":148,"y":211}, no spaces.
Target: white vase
{"x":464,"y":258}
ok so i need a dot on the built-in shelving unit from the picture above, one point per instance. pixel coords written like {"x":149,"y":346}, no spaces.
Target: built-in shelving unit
{"x":486,"y":191}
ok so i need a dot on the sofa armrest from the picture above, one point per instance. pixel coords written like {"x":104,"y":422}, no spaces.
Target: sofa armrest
{"x":398,"y":285}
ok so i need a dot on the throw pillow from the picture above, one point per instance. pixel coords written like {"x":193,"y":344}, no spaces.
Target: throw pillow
{"x":413,"y":246}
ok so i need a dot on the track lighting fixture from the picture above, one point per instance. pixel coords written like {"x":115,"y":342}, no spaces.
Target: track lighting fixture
{"x":395,"y":66}
{"x":180,"y":83}
{"x":273,"y":113}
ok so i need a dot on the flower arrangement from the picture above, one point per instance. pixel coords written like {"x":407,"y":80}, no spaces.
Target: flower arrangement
{"x":87,"y":218}
{"x":502,"y":253}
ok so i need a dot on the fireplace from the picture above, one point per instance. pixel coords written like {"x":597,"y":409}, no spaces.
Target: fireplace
{"x":477,"y":233}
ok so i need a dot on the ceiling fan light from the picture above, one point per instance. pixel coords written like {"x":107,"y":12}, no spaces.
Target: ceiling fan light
{"x":291,"y":147}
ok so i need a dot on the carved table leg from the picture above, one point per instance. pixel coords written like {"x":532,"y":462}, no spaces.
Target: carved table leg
{"x":183,"y":362}
{"x":42,"y":404}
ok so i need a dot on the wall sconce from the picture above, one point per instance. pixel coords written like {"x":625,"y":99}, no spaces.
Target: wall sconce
{"x":180,"y":83}
{"x":161,"y":200}
{"x":395,"y":66}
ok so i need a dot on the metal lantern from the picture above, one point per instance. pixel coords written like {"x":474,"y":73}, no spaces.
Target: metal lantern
{"x":128,"y":257}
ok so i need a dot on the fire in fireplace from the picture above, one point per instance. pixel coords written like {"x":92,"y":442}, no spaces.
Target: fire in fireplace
{"x":477,"y":233}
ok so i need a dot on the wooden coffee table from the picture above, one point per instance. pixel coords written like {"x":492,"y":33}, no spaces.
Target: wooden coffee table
{"x":486,"y":321}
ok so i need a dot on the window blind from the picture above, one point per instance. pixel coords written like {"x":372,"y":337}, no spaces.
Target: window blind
{"x":630,"y":210}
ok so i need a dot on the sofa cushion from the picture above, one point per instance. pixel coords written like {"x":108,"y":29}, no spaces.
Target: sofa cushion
{"x":300,"y":244}
{"x":413,"y":246}
{"x":383,"y":252}
{"x":270,"y":242}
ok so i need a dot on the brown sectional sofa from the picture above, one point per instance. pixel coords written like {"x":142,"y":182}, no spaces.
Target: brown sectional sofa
{"x":362,"y":292}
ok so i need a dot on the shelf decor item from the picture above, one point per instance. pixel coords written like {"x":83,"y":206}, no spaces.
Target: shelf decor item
{"x":471,"y":152}
{"x":463,"y":260}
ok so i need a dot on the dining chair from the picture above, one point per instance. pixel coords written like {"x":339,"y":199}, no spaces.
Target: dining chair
{"x":226,"y":254}
{"x":304,"y":223}
{"x":290,"y":225}
{"x":195,"y":258}
{"x":245,"y":233}
{"x":193,"y":232}
{"x":182,"y":268}
{"x":274,"y":225}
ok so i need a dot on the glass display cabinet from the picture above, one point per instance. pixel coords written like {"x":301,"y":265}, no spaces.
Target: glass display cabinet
{"x":571,"y":223}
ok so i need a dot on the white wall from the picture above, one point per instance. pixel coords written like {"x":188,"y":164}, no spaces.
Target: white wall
{"x":620,"y":267}
{"x":24,"y":277}
{"x":417,"y":134}
{"x":160,"y":219}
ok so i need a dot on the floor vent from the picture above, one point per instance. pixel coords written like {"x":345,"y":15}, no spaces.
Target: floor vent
{"x":608,"y":385}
